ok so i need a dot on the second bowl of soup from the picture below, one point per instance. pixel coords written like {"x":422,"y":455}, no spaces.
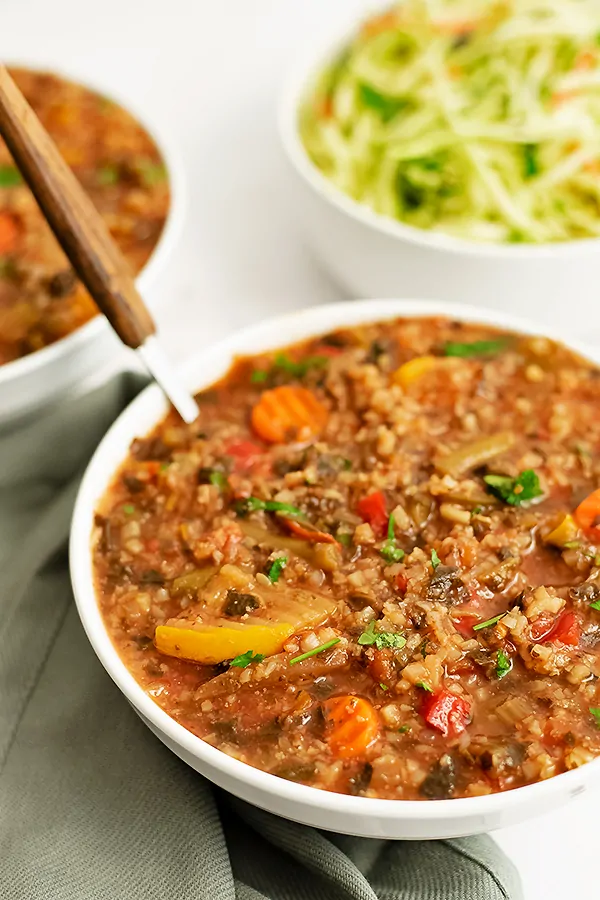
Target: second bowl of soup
{"x":44,"y":311}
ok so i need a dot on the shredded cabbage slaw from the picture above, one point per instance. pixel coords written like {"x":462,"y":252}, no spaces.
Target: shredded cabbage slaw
{"x":479,"y":119}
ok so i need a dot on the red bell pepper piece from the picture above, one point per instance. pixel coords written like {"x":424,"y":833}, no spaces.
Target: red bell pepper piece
{"x":464,"y":625}
{"x":565,"y":630}
{"x":373,"y":509}
{"x":244,"y":453}
{"x":401,"y":582}
{"x":446,"y":712}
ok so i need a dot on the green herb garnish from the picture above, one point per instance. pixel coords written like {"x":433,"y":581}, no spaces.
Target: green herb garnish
{"x":503,"y":664}
{"x":383,"y":686}
{"x":258,"y":376}
{"x":314,"y":652}
{"x":253,"y":504}
{"x":488,"y":622}
{"x":276,"y":568}
{"x":129,"y":509}
{"x":107,"y":175}
{"x":245,"y":659}
{"x":595,"y":711}
{"x":424,"y":686}
{"x":219,"y":479}
{"x":514,"y":491}
{"x":10,"y":176}
{"x":475,"y":348}
{"x":381,"y":639}
{"x":300,"y":368}
{"x":404,"y":729}
{"x":390,"y":551}
{"x":344,"y":538}
{"x":151,"y":173}
{"x":572,"y":545}
{"x":595,"y":604}
{"x":435,"y":560}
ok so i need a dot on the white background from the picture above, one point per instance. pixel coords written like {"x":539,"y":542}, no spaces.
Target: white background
{"x":209,"y":70}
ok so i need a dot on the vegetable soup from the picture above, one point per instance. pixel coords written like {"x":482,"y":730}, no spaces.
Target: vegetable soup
{"x":120,"y":167}
{"x":372,"y":565}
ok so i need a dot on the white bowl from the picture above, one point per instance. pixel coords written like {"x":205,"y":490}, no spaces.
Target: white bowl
{"x":336,"y":812}
{"x":372,"y":255}
{"x":38,"y":379}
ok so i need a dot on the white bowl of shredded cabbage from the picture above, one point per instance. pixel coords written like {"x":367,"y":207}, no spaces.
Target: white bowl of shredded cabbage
{"x":453,"y":147}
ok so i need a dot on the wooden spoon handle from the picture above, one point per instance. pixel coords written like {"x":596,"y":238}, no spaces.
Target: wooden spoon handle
{"x":73,"y":218}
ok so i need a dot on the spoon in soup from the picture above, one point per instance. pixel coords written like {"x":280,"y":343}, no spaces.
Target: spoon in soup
{"x":82,"y":234}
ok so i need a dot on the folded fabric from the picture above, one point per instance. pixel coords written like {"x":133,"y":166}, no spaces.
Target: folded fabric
{"x":92,"y":805}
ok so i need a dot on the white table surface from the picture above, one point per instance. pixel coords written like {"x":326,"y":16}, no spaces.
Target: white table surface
{"x":210,"y":71}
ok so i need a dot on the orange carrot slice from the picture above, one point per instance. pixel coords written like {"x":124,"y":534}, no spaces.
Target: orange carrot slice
{"x":9,"y":233}
{"x":352,"y":725}
{"x":288,"y":413}
{"x":587,"y":514}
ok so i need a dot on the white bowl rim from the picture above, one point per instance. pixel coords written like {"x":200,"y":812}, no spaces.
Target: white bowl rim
{"x":148,"y":408}
{"x":308,"y":62}
{"x":25,"y":365}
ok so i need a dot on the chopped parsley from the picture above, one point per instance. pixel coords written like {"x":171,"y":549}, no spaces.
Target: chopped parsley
{"x":390,"y":551}
{"x":383,"y":686}
{"x":595,"y":604}
{"x":298,"y":369}
{"x":244,"y":659}
{"x":424,"y":686}
{"x":293,"y":368}
{"x":252,"y":504}
{"x":514,"y":491}
{"x":503,"y":664}
{"x":276,"y":568}
{"x":129,"y":509}
{"x":219,"y":479}
{"x":151,"y":173}
{"x":9,"y":176}
{"x":476,"y":348}
{"x":404,"y":729}
{"x":595,"y":711}
{"x":107,"y":175}
{"x":314,"y":652}
{"x":435,"y":560}
{"x":488,"y":622}
{"x":381,"y":639}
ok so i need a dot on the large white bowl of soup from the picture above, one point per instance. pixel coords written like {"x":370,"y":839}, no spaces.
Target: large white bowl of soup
{"x":362,"y":590}
{"x":451,"y":150}
{"x":51,"y":335}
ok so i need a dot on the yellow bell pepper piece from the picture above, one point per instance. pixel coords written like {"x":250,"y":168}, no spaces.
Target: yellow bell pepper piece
{"x":564,"y":532}
{"x":411,"y":371}
{"x":264,"y":631}
{"x":211,"y":644}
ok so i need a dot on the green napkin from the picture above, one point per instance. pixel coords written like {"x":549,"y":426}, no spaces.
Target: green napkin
{"x":92,"y":805}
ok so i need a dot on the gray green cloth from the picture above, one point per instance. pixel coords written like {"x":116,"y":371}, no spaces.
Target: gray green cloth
{"x":92,"y":805}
